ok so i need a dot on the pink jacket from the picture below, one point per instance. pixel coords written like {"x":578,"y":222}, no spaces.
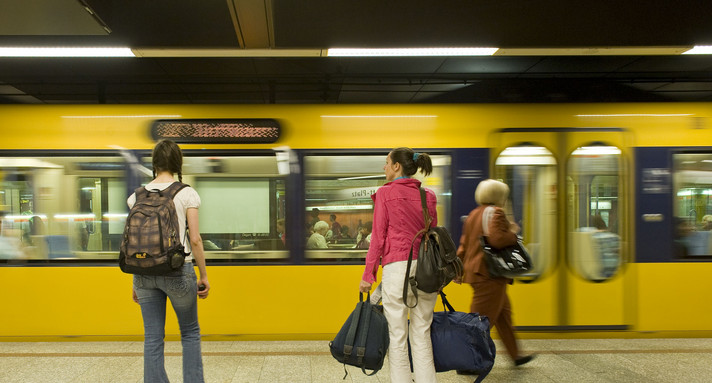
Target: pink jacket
{"x":397,"y":217}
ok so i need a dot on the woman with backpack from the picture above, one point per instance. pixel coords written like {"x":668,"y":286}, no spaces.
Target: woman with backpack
{"x":181,"y":286}
{"x":397,"y":217}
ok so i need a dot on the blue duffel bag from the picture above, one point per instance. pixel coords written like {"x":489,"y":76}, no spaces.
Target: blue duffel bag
{"x":461,"y":341}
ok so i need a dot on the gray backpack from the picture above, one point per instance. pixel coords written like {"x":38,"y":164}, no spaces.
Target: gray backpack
{"x":151,"y":242}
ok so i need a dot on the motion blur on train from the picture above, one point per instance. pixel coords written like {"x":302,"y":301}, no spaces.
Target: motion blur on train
{"x":613,"y":201}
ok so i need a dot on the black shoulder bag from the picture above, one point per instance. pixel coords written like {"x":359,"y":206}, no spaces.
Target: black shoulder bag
{"x":438,"y":263}
{"x":508,"y":262}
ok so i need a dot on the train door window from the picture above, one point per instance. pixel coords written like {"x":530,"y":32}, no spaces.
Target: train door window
{"x":593,"y":199}
{"x":692,"y":180}
{"x":339,"y":208}
{"x":530,"y":173}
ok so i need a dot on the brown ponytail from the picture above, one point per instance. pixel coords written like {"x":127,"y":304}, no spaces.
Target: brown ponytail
{"x":412,"y":161}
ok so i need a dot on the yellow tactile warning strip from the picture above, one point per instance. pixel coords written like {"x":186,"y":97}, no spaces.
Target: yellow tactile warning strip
{"x":314,"y":353}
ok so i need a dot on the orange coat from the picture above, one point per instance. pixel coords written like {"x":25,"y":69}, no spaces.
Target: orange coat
{"x":470,"y":250}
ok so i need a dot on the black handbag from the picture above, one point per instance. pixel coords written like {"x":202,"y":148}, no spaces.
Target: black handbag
{"x":508,"y":262}
{"x":363,"y":339}
{"x":461,"y":341}
{"x":438,"y":263}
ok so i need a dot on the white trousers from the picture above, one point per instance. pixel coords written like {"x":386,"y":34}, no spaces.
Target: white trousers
{"x":421,"y":316}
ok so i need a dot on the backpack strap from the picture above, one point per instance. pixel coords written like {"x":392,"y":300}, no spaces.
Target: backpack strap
{"x":171,"y":192}
{"x":410,"y":281}
{"x":140,"y":192}
{"x":174,"y":189}
{"x":361,"y":345}
{"x":426,"y":213}
{"x":351,"y":334}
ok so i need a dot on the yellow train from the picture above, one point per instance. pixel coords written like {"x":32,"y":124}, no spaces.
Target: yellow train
{"x":613,"y":200}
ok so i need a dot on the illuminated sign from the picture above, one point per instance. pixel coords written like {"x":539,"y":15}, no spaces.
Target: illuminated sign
{"x":217,"y":131}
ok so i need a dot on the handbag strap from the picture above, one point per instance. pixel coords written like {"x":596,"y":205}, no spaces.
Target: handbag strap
{"x":485,"y":219}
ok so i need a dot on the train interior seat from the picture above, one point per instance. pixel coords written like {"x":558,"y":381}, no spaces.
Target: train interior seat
{"x":58,"y":246}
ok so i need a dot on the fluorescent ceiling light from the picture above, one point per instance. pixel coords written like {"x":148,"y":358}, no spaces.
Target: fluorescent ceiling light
{"x":699,"y":50}
{"x":148,"y":52}
{"x":596,"y":151}
{"x":371,"y":52}
{"x":65,"y":52}
{"x":594,"y":51}
{"x":525,"y":155}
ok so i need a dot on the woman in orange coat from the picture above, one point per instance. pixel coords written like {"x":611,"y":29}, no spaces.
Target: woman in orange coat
{"x":490,"y":294}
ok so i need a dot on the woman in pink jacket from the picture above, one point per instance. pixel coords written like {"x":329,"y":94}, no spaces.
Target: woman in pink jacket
{"x":397,"y":217}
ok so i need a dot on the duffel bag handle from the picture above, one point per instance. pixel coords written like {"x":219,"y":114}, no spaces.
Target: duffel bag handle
{"x":446,"y":305}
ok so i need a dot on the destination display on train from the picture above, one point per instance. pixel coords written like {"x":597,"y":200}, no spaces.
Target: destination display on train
{"x":217,"y":131}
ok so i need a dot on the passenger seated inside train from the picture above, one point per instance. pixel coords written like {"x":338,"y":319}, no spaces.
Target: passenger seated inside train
{"x":318,"y":239}
{"x":596,"y":251}
{"x":697,"y":242}
{"x":34,"y":239}
{"x":363,"y":239}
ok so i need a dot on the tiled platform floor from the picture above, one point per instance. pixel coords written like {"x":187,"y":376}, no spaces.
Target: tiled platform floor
{"x":558,"y":360}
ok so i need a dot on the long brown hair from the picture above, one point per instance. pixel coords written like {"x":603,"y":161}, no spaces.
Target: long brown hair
{"x":167,"y":156}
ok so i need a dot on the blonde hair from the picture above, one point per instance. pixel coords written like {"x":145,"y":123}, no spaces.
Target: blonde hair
{"x":492,"y":192}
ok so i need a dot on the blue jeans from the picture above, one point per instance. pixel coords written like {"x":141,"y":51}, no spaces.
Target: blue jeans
{"x":182,"y":290}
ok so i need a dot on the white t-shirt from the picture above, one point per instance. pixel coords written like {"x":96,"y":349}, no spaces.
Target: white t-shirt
{"x":186,"y":198}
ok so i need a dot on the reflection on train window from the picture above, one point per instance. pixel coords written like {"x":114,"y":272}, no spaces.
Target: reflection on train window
{"x":692,"y":180}
{"x":593,"y":198}
{"x":62,"y":207}
{"x":242,"y":198}
{"x":339,"y":208}
{"x":530,"y":173}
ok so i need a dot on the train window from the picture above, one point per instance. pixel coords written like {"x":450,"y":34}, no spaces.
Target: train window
{"x":530,"y":172}
{"x":339,"y":204}
{"x":242,"y":199}
{"x":692,"y":180}
{"x":61,"y":207}
{"x":593,"y":199}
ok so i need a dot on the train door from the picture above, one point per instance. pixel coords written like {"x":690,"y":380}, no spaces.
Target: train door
{"x":569,"y":195}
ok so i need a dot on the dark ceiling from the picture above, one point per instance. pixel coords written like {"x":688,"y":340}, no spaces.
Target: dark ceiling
{"x":282,"y":25}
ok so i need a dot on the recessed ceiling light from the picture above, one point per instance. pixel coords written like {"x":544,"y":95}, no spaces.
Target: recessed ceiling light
{"x":65,"y":52}
{"x":395,"y":52}
{"x":699,"y":50}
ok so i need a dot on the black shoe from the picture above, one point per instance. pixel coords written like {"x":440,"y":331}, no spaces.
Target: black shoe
{"x":468,"y":372}
{"x":524,"y":360}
